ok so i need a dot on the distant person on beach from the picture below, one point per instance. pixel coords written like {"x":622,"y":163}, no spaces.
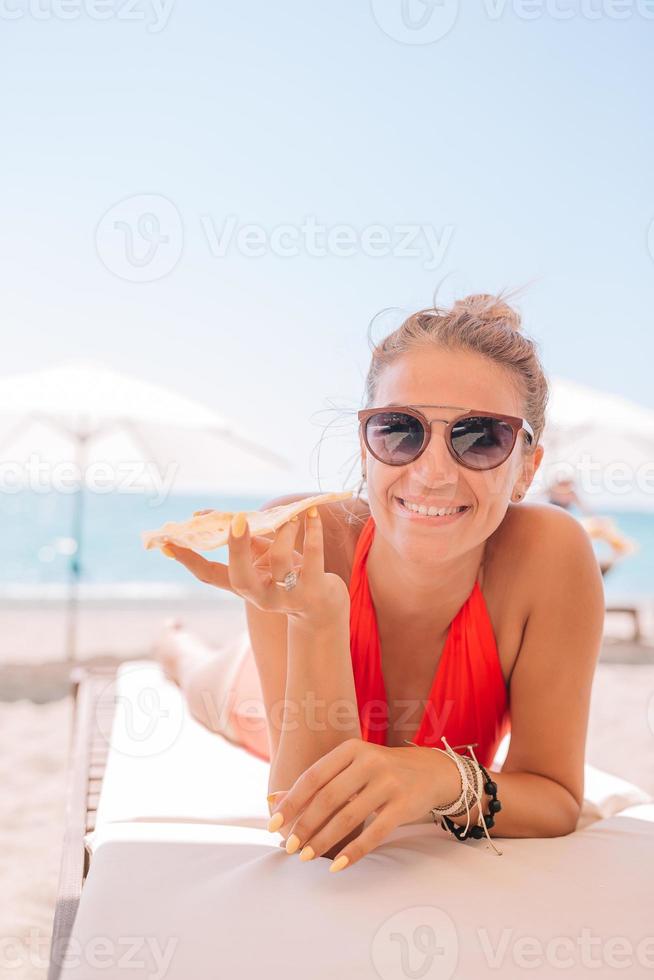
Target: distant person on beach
{"x":562,"y":493}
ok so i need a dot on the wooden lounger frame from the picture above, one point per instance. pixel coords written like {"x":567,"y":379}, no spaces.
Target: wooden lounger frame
{"x":634,"y":612}
{"x":93,"y":703}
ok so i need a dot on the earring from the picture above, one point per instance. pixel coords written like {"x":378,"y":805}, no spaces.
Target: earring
{"x":517,"y":497}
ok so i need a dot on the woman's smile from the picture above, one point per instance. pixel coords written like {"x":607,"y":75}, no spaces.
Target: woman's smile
{"x":425,"y":518}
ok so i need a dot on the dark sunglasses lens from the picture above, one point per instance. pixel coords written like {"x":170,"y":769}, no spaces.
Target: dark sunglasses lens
{"x":482,"y":442}
{"x":394,"y":437}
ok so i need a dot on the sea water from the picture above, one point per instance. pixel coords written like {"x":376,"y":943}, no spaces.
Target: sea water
{"x":38,"y":545}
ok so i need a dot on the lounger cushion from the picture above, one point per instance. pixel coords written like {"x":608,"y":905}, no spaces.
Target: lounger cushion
{"x":203,"y":901}
{"x":163,"y":765}
{"x":185,"y":882}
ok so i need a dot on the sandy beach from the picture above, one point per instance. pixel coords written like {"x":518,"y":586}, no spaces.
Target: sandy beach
{"x":35,"y":724}
{"x":33,"y":764}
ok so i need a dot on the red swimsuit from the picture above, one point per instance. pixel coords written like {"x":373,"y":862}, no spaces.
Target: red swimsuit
{"x":468,"y":701}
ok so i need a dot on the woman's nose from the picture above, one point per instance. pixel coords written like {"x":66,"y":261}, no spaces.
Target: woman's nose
{"x":435,"y":465}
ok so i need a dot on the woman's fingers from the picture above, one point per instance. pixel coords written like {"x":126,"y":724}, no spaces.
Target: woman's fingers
{"x":255,"y":561}
{"x":313,"y":562}
{"x":346,"y":786}
{"x":281,"y":551}
{"x":211,"y":572}
{"x":322,"y":834}
{"x":241,"y":572}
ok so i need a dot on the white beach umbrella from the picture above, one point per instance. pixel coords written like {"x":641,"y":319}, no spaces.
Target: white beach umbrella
{"x":88,"y":412}
{"x":83,"y":425}
{"x":601,"y":440}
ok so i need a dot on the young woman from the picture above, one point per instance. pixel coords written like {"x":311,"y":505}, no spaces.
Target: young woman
{"x":407,"y":629}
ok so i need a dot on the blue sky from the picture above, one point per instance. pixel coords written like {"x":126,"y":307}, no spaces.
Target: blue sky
{"x":522,"y":140}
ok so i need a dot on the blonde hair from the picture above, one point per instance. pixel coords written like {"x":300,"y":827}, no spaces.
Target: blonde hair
{"x":481,"y":324}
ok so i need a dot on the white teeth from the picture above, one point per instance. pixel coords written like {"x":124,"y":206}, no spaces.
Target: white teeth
{"x":431,"y":511}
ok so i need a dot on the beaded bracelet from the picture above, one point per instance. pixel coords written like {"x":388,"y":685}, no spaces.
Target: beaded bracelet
{"x":470,"y":788}
{"x":474,"y":782}
{"x":470,"y":783}
{"x":488,"y":785}
{"x":494,"y":806}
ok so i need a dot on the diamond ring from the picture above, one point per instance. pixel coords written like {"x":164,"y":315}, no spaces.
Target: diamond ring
{"x":290,"y":581}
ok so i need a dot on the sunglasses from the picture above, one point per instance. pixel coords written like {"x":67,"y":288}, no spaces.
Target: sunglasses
{"x":398,"y":434}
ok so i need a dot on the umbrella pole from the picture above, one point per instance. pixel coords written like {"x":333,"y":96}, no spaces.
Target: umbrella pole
{"x":75,"y":564}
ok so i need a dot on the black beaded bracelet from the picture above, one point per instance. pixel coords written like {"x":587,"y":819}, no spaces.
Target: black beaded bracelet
{"x":494,"y":806}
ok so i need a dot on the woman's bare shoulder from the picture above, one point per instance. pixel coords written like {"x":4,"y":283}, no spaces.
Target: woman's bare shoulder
{"x":535,"y":542}
{"x":538,"y":520}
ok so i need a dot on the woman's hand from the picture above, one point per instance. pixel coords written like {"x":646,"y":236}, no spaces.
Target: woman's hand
{"x":257,"y":563}
{"x":356,"y":779}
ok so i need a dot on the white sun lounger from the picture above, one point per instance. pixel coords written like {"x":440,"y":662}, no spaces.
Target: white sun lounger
{"x":184,"y":881}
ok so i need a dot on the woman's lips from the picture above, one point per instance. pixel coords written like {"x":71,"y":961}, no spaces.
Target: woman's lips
{"x":425,"y":518}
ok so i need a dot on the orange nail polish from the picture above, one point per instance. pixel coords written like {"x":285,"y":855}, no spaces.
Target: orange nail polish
{"x":339,"y":863}
{"x":275,"y":822}
{"x":239,"y":524}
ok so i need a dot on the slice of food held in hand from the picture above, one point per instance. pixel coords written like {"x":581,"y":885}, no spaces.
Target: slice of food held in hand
{"x":208,"y":531}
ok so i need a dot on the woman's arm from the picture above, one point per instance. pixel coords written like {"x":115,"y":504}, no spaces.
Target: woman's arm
{"x":268,"y":632}
{"x":320,"y":701}
{"x":532,"y":805}
{"x":541,"y":784}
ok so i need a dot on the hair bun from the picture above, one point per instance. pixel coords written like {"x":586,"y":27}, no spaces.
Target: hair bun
{"x":488,"y":309}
